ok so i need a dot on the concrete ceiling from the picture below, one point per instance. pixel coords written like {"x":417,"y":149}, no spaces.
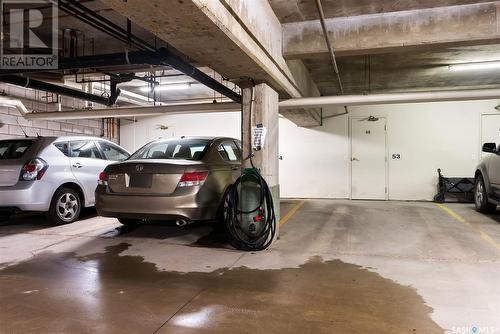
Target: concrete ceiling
{"x":303,"y":10}
{"x":385,"y":45}
{"x":406,"y":71}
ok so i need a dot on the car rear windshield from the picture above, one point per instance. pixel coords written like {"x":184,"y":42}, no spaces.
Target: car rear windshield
{"x":14,"y":149}
{"x":186,"y":149}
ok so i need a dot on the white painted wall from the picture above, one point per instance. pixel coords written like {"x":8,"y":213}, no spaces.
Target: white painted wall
{"x":145,"y":129}
{"x":316,"y":162}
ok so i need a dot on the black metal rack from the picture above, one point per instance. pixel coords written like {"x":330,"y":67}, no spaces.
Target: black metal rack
{"x":456,"y":189}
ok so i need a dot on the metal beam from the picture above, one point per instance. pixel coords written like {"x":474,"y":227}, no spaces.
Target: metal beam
{"x":61,"y":90}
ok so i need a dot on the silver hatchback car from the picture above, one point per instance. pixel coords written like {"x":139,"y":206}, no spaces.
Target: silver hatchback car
{"x":56,"y":175}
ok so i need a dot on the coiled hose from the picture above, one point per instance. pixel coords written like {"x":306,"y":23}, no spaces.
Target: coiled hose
{"x":259,"y":234}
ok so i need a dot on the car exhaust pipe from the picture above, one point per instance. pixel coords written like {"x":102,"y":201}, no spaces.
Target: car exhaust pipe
{"x":181,"y":222}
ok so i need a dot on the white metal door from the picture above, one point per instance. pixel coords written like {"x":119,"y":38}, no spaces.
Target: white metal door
{"x":368,"y":158}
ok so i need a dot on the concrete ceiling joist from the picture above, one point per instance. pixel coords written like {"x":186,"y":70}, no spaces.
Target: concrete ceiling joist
{"x":241,"y":40}
{"x":429,"y":28}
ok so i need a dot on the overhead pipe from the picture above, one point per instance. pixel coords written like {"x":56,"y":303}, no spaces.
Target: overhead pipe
{"x":168,"y":58}
{"x":14,"y":103}
{"x":333,"y":59}
{"x":48,"y":87}
{"x":392,"y":98}
{"x":98,"y":61}
{"x":193,"y":108}
{"x":298,"y":103}
{"x":102,"y":24}
{"x":160,"y":57}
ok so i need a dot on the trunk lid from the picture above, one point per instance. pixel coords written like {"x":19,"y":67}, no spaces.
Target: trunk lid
{"x":9,"y":172}
{"x":152,"y":177}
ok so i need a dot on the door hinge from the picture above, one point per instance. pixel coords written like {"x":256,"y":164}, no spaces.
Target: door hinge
{"x":386,"y":190}
{"x":385,"y":127}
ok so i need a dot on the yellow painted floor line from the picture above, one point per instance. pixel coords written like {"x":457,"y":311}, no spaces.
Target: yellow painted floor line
{"x":462,"y":220}
{"x":292,"y":212}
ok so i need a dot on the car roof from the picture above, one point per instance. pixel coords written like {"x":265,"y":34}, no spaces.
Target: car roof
{"x":50,"y":139}
{"x":63,"y":138}
{"x":207,"y":138}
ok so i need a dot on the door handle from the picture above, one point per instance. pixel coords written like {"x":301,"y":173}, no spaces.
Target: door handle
{"x":235,"y":167}
{"x":354,"y":159}
{"x":77,"y":165}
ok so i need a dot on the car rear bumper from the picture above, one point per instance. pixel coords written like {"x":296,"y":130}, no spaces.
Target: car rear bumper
{"x":191,"y":205}
{"x":26,"y":196}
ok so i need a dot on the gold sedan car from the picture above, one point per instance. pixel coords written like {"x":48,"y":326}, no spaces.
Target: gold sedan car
{"x":170,"y":179}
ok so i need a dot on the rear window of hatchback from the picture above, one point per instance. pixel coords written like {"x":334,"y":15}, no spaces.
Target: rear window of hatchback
{"x":14,"y":149}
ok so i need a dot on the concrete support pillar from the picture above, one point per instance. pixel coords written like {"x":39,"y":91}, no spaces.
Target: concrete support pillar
{"x":262,"y":110}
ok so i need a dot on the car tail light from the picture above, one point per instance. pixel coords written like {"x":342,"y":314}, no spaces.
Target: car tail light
{"x":193,"y":179}
{"x":103,"y":179}
{"x":33,"y":169}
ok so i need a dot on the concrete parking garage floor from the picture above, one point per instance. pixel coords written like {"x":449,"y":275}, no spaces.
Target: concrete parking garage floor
{"x":339,"y":266}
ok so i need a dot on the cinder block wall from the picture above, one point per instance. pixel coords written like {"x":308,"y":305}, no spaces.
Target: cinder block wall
{"x":11,"y":122}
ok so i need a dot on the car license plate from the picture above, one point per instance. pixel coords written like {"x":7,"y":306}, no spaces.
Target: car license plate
{"x":140,"y":181}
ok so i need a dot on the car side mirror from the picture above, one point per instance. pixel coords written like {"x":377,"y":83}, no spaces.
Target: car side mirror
{"x":490,"y":147}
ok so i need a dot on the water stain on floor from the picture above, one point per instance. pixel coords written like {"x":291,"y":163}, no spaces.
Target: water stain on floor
{"x":111,"y":293}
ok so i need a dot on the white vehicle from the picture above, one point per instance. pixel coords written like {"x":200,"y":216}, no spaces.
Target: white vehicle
{"x":56,"y":175}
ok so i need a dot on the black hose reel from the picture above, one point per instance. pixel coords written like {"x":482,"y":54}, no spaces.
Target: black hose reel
{"x":249,"y":215}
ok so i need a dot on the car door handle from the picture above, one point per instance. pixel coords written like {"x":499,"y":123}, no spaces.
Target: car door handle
{"x":77,"y":165}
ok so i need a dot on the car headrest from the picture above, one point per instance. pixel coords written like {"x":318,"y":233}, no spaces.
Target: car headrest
{"x":197,"y":155}
{"x":158,"y":155}
{"x":184,"y":153}
{"x":85,"y":154}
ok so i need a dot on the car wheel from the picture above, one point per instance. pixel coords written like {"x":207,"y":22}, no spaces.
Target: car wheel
{"x":129,"y":222}
{"x":65,"y":207}
{"x":481,"y":197}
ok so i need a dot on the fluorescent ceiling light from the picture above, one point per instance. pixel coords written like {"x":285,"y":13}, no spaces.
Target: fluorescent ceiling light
{"x":485,"y":65}
{"x":176,"y":86}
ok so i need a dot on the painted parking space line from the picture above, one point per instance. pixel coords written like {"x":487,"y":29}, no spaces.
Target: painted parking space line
{"x":462,"y":220}
{"x":292,"y":212}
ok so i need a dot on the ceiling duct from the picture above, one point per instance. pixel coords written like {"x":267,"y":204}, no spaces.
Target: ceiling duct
{"x":392,"y":98}
{"x":192,"y":108}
